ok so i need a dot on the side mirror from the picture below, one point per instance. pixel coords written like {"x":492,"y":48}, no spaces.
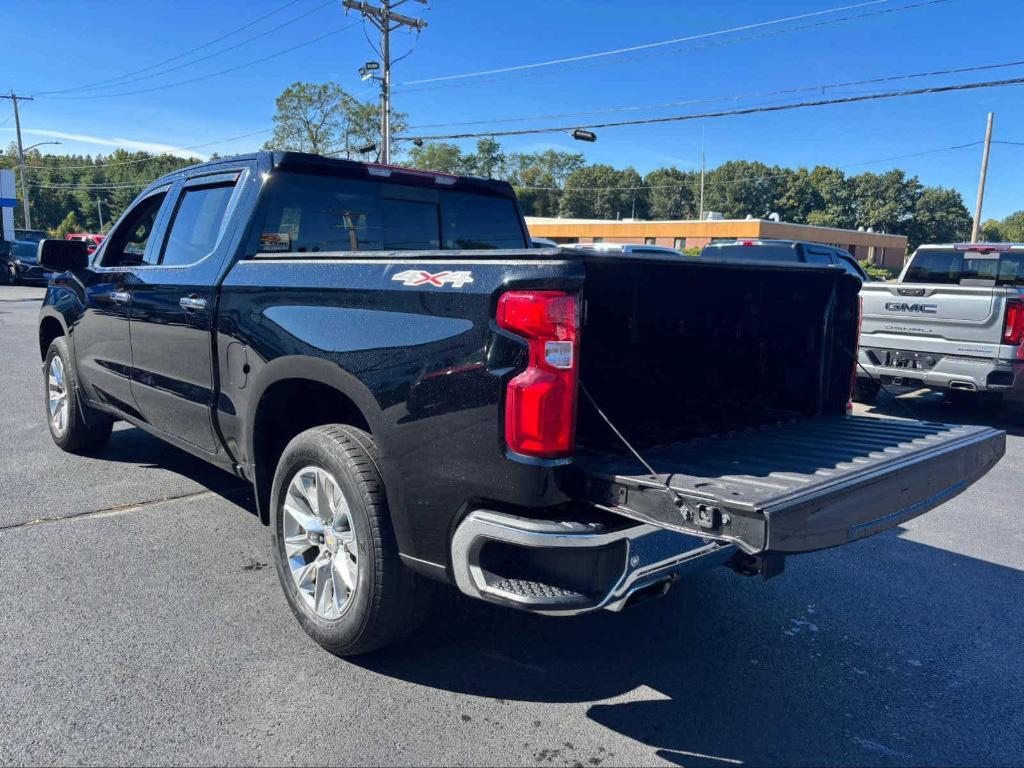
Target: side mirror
{"x":63,"y":255}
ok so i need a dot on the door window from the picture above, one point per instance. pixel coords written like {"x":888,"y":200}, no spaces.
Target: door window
{"x":197,"y":225}
{"x":127,"y":244}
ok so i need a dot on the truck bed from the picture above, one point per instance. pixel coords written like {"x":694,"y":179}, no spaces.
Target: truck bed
{"x":797,"y":486}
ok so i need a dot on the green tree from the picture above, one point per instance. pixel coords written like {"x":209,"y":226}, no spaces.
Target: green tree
{"x":539,"y":178}
{"x":740,"y":188}
{"x":602,"y":192}
{"x":834,"y":194}
{"x":69,"y":224}
{"x":670,"y":194}
{"x":939,"y":216}
{"x":439,"y":157}
{"x":799,"y":197}
{"x":991,"y":231}
{"x":538,"y":191}
{"x":1012,"y":228}
{"x":488,"y":161}
{"x":322,"y":118}
{"x":885,"y":202}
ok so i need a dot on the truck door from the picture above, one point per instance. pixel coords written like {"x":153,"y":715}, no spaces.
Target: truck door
{"x":101,"y":339}
{"x":173,"y":310}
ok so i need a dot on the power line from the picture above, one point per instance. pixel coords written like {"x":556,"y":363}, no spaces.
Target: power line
{"x":803,"y":89}
{"x":730,"y":112}
{"x":221,"y":52}
{"x":822,"y":23}
{"x":260,"y":60}
{"x":175,"y":57}
{"x":630,"y":49}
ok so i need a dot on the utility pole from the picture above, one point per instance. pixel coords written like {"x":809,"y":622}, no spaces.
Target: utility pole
{"x":981,"y":181}
{"x":21,"y":154}
{"x":386,"y":21}
{"x":99,"y":210}
{"x":701,"y":173}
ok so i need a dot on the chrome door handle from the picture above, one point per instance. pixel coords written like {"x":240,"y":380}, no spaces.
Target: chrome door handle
{"x":120,"y":296}
{"x":192,"y":303}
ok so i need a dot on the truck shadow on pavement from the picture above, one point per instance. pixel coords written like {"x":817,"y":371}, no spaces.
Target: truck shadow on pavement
{"x":131,"y":445}
{"x":934,"y":406}
{"x":884,"y":652}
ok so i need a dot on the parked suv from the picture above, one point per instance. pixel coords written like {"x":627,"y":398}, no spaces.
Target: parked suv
{"x":19,"y":258}
{"x":784,"y":251}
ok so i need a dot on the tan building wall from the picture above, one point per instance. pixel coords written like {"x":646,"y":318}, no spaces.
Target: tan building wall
{"x":882,"y":249}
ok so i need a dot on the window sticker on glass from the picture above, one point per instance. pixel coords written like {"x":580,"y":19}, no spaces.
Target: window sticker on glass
{"x":275,"y":242}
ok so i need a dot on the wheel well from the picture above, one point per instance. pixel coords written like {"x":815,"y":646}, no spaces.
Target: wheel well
{"x":287,"y":408}
{"x":49,"y":330}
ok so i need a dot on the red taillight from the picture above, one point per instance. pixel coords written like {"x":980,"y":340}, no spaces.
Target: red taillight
{"x":1013,"y":324}
{"x":540,"y":405}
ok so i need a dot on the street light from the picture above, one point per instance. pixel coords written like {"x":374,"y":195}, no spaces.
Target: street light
{"x":24,"y":178}
{"x":40,"y":144}
{"x":367,"y":70}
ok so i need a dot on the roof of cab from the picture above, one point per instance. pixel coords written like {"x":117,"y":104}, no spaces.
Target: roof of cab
{"x":303,"y":161}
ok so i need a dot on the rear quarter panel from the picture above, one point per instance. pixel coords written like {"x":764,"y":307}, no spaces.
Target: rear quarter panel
{"x":425,"y":365}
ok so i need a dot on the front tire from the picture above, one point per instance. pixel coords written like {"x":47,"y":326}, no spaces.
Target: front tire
{"x":11,"y":274}
{"x":74,"y":426}
{"x":334,"y":544}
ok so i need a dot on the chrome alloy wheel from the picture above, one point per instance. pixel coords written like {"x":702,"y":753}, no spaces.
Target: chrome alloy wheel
{"x":57,"y":389}
{"x":320,"y":542}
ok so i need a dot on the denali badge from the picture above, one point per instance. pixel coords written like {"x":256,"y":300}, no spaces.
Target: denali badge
{"x":438,"y":279}
{"x":901,"y":306}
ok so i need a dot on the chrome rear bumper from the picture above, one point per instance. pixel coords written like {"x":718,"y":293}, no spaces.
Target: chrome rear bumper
{"x":619,"y":565}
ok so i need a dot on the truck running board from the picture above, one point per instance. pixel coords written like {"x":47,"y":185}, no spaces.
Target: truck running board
{"x":799,"y":486}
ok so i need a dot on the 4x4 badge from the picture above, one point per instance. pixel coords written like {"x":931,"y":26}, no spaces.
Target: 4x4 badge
{"x":438,"y":279}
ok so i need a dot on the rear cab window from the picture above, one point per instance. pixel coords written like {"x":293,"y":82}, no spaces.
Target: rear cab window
{"x":958,"y":267}
{"x":309,"y":213}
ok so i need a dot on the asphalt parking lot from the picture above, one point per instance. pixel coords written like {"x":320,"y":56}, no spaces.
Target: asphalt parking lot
{"x":141,"y":623}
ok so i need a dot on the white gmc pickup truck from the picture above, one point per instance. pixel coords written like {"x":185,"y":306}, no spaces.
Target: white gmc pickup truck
{"x":953,"y":322}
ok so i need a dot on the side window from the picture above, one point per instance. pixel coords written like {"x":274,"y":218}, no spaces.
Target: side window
{"x":197,"y":224}
{"x":127,"y":244}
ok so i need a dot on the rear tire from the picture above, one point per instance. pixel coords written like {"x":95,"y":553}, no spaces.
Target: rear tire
{"x":866,"y":391}
{"x":334,"y":544}
{"x":74,"y":426}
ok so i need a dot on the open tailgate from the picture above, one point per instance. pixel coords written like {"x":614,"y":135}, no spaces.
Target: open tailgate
{"x":799,"y":486}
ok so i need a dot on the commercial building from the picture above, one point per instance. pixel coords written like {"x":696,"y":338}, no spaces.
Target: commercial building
{"x":875,"y":247}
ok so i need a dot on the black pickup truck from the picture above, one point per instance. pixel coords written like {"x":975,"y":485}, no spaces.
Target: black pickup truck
{"x":417,"y":395}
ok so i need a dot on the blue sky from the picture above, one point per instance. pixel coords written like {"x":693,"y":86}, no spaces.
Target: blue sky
{"x":66,"y":45}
